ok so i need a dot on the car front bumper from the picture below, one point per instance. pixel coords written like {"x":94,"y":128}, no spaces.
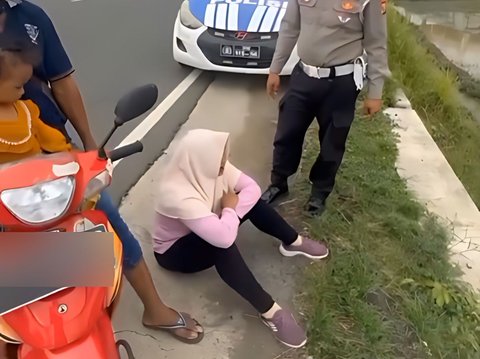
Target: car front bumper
{"x":201,"y":48}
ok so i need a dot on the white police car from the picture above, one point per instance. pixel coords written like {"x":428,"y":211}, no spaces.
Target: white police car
{"x":229,"y":35}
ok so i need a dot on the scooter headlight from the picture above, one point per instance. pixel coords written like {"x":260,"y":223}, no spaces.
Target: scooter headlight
{"x":187,"y":18}
{"x":42,"y":202}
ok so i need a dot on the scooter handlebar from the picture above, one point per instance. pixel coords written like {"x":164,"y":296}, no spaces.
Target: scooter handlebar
{"x":125,"y":151}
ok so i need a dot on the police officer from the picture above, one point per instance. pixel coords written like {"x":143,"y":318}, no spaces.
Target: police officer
{"x":335,"y":39}
{"x":55,"y":91}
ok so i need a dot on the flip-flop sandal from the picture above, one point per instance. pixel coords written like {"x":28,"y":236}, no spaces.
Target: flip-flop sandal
{"x":184,"y":322}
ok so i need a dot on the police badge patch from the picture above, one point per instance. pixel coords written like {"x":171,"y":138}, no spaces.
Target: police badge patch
{"x":384,"y":6}
{"x":33,"y":32}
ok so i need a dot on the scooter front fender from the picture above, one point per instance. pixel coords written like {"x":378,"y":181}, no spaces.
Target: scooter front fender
{"x":60,"y":319}
{"x":98,"y":344}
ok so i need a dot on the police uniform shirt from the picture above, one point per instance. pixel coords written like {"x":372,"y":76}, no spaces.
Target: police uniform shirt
{"x":334,"y":32}
{"x":28,"y":21}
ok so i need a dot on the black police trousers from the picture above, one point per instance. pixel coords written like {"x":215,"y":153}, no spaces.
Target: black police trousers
{"x":332,"y":102}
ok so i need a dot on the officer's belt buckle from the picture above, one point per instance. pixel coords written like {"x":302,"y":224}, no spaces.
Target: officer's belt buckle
{"x":317,"y":72}
{"x":323,"y":73}
{"x":327,"y":72}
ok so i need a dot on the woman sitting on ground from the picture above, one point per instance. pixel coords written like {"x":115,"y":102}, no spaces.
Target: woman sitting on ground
{"x":203,"y":200}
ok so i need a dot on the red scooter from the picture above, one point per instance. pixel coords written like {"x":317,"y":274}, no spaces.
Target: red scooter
{"x":57,"y":193}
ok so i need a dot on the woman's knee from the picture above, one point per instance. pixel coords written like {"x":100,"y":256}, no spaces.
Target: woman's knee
{"x":258,"y":209}
{"x":227,"y":255}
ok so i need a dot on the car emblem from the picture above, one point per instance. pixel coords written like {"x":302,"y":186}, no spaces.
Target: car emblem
{"x":241,"y":35}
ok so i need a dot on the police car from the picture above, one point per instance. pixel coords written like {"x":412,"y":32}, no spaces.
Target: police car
{"x":229,"y":35}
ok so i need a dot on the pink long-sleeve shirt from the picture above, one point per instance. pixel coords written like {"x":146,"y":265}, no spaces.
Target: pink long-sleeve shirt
{"x":218,"y":231}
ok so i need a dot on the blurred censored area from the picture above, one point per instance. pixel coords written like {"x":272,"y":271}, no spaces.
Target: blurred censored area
{"x":57,"y":259}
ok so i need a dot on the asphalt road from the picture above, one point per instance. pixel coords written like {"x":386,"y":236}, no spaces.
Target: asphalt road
{"x":116,"y":45}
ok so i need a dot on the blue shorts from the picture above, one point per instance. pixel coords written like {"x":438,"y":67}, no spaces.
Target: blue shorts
{"x":132,"y":252}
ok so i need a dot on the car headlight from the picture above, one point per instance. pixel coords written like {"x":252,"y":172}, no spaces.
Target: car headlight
{"x":187,"y":18}
{"x":42,"y":202}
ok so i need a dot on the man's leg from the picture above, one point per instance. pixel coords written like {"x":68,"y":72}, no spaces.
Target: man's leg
{"x":335,"y":118}
{"x":296,"y":113}
{"x":137,"y":273}
{"x":8,"y":351}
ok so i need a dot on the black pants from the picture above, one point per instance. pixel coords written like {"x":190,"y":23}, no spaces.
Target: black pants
{"x":192,"y":254}
{"x":332,"y":102}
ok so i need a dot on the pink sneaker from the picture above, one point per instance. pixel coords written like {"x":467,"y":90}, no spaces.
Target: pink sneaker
{"x":309,"y":248}
{"x":286,"y":329}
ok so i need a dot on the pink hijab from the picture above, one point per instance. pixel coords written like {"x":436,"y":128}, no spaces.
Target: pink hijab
{"x":190,"y":187}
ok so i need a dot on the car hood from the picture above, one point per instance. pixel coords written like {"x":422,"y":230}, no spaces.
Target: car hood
{"x":240,"y":15}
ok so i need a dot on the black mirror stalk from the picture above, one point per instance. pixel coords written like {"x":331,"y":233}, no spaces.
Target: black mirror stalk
{"x":101,"y":151}
{"x":130,"y":106}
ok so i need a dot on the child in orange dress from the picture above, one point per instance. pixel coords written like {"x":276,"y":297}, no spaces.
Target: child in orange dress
{"x":22,"y":133}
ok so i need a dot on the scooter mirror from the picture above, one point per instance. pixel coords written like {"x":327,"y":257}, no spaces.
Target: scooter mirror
{"x":135,"y":103}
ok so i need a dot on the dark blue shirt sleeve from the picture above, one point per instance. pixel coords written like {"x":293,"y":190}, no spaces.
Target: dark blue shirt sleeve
{"x":56,"y":62}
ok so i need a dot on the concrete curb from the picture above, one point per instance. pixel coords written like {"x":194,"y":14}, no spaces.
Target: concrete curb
{"x":401,"y":100}
{"x":430,"y":177}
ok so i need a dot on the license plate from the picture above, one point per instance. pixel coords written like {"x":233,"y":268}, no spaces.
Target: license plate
{"x":240,"y":51}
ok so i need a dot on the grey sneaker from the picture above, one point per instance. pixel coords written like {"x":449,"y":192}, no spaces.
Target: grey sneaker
{"x":286,"y":329}
{"x":309,"y":248}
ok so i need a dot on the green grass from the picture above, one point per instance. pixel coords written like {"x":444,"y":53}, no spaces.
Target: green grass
{"x":433,"y":92}
{"x":388,"y":291}
{"x":466,"y":83}
{"x":375,"y":297}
